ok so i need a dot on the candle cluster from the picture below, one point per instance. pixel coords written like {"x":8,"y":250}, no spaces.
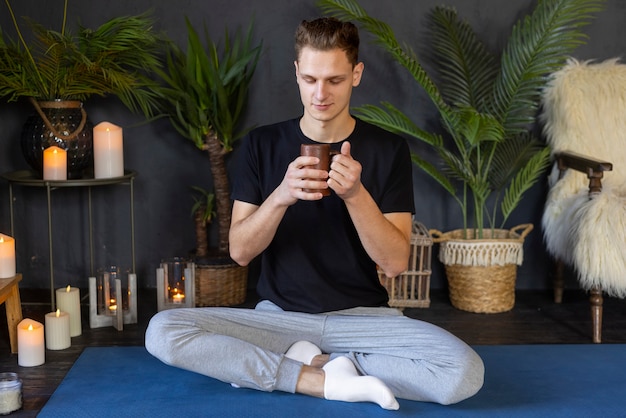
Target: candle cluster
{"x":108,"y":155}
{"x":59,"y":327}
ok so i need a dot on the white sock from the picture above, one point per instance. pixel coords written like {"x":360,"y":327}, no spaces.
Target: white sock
{"x":343,"y":383}
{"x":303,"y":351}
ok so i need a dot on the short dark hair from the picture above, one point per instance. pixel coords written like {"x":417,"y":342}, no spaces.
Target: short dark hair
{"x":328,"y":33}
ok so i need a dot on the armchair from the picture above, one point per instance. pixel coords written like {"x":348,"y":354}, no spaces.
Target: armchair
{"x":584,"y":219}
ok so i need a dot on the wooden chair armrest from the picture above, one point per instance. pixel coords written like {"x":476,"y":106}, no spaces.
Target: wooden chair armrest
{"x":593,"y":168}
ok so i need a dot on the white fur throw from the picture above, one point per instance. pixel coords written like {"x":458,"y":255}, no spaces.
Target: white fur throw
{"x":584,"y":111}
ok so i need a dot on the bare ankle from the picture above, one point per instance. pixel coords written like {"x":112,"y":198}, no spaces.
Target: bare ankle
{"x":311,"y":381}
{"x":320,"y":360}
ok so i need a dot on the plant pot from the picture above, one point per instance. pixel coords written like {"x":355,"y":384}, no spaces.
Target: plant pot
{"x":63,"y":123}
{"x":481,"y":273}
{"x":220,"y":282}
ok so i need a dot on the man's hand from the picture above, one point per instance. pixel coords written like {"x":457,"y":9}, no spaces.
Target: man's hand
{"x":301,"y":176}
{"x":345,"y":173}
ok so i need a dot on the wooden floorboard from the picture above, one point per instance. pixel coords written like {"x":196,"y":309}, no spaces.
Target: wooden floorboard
{"x":535,"y":319}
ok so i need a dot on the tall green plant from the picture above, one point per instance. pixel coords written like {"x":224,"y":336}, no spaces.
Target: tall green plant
{"x":205,"y":94}
{"x":116,"y":58}
{"x":487,"y":103}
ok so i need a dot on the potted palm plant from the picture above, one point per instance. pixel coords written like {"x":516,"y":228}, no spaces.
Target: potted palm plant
{"x":58,"y":70}
{"x":204,"y":94}
{"x":489,"y":156}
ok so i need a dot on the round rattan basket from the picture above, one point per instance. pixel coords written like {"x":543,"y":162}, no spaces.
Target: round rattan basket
{"x":220,"y":285}
{"x":482,"y":272}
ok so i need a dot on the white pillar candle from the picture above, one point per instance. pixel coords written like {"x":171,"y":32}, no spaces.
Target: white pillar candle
{"x":7,"y":256}
{"x":30,"y":343}
{"x":108,"y":151}
{"x":54,"y":163}
{"x":68,"y":300}
{"x":58,"y":330}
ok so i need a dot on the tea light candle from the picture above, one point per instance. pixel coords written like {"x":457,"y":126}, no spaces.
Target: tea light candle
{"x":108,"y":151}
{"x":68,"y":300}
{"x":112,"y":307}
{"x":54,"y":163}
{"x":7,"y":256}
{"x":57,"y":330}
{"x":30,"y":343}
{"x":178,"y":298}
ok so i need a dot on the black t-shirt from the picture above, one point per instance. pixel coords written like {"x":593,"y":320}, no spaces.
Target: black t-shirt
{"x":316,"y":262}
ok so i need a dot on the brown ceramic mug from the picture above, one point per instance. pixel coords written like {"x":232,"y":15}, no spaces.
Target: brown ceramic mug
{"x":324,"y":153}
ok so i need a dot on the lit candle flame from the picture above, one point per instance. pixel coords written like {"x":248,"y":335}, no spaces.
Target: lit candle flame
{"x":30,"y":327}
{"x":178,"y":298}
{"x":58,"y":313}
{"x":1,"y":239}
{"x":68,"y":288}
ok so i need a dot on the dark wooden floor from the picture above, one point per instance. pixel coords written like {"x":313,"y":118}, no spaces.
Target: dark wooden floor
{"x":535,"y":319}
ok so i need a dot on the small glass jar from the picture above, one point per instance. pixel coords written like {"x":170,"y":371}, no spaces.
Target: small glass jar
{"x":10,"y":393}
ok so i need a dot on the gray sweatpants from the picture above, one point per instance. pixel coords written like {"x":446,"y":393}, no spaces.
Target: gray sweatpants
{"x":415,"y":359}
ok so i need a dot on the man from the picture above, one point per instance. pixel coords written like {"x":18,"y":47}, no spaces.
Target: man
{"x":322,"y":327}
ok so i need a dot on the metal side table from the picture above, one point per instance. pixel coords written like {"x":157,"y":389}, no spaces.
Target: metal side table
{"x":28,"y":178}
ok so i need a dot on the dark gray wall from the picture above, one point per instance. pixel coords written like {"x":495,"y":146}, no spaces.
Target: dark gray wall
{"x":168,"y":164}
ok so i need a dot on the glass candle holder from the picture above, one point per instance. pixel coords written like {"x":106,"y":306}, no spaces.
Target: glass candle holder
{"x":109,"y":301}
{"x":175,"y":282}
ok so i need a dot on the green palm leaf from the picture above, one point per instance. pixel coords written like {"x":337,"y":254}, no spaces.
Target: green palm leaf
{"x":538,"y":46}
{"x":511,"y":156}
{"x":467,"y":69}
{"x":392,"y":119}
{"x":524,"y":180}
{"x":434,"y":172}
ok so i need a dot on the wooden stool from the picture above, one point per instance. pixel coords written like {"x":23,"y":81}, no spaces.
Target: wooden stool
{"x":10,"y":293}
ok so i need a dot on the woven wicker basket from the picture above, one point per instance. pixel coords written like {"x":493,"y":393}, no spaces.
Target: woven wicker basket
{"x":221,"y":285}
{"x":482,"y":272}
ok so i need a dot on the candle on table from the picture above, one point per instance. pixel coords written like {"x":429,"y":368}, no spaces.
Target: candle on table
{"x":108,"y":151}
{"x":30,"y":343}
{"x":68,"y":300}
{"x":54,"y":163}
{"x":7,"y":256}
{"x":57,"y":330}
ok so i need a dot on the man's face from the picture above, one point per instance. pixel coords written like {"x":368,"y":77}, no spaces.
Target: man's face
{"x":326,"y":79}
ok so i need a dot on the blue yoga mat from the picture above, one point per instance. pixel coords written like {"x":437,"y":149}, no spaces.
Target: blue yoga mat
{"x":520,"y":381}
